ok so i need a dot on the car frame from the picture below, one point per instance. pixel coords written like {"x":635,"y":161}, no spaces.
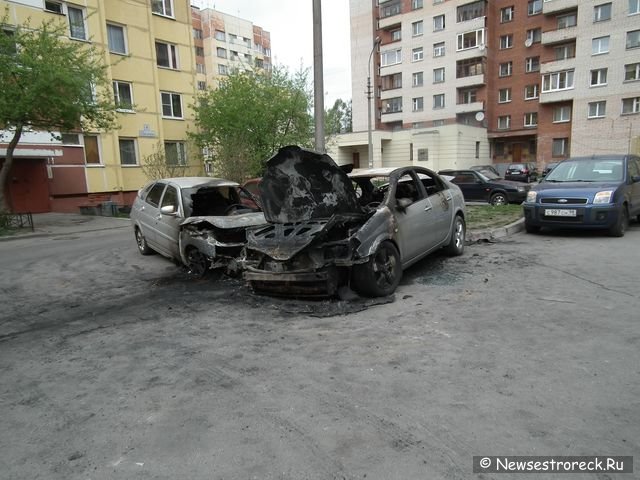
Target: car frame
{"x":477,"y":186}
{"x":595,"y":192}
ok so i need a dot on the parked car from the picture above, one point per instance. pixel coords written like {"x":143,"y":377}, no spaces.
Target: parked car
{"x":486,"y":186}
{"x":498,"y":168}
{"x":327,"y":230}
{"x":199,"y":221}
{"x":597,"y":192}
{"x":548,"y":167}
{"x":522,"y":172}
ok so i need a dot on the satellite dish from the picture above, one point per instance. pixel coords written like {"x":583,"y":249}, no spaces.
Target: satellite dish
{"x":528,"y":42}
{"x":480,"y":116}
{"x":481,"y":47}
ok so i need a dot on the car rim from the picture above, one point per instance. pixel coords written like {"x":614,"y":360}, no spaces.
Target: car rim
{"x":140,"y":239}
{"x":384,"y":268}
{"x":459,"y":233}
{"x":499,"y":200}
{"x":196,"y":263}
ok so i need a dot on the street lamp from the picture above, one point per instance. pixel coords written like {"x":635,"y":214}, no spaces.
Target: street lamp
{"x":369,"y":96}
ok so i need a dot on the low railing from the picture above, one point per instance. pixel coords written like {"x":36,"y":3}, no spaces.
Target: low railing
{"x":16,"y":220}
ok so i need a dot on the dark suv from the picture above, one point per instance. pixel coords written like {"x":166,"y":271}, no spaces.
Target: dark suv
{"x":486,"y":186}
{"x":522,"y":172}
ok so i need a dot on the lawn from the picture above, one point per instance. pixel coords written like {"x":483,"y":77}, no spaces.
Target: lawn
{"x":480,"y":217}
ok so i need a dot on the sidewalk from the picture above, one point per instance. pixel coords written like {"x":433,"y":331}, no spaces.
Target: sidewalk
{"x":52,"y":224}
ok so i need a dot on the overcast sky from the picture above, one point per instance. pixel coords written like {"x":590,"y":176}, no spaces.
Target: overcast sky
{"x":290,"y":23}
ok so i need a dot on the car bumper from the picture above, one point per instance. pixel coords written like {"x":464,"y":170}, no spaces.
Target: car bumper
{"x":516,"y":197}
{"x":586,"y":216}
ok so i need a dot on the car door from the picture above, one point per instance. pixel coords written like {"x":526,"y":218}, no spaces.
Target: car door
{"x":441,"y":199}
{"x":414,"y":220}
{"x":168,"y":224}
{"x":472,"y":186}
{"x":147,"y":211}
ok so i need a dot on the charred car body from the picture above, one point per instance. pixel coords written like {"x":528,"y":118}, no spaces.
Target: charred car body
{"x":326,"y":229}
{"x":199,"y":221}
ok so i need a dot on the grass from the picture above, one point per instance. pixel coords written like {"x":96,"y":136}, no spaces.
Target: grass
{"x":480,"y":217}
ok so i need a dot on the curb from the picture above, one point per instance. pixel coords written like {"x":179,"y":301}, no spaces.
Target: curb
{"x":491,"y":235}
{"x":21,"y":236}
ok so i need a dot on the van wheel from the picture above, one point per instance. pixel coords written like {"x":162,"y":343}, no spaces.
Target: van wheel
{"x":620,"y":227}
{"x":143,"y":247}
{"x":381,"y":274}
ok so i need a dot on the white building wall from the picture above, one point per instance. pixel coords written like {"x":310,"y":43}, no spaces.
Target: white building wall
{"x":361,"y":44}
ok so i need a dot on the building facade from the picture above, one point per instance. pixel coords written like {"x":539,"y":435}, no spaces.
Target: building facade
{"x":149,"y":47}
{"x":529,"y":80}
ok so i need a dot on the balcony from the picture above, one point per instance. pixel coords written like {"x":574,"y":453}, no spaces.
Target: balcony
{"x":562,"y":35}
{"x":557,"y":96}
{"x":551,"y":7}
{"x":558,"y":65}
{"x":470,"y":81}
{"x":469,"y":107}
{"x":391,"y":117}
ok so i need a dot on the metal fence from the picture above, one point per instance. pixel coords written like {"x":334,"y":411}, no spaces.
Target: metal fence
{"x":16,"y":220}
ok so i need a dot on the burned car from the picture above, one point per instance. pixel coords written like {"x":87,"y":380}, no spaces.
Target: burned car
{"x":199,"y":221}
{"x":327,"y":230}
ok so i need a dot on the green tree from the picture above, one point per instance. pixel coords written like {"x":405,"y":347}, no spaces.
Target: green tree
{"x":243,"y":122}
{"x":338,"y":118}
{"x":49,"y":84}
{"x":175,"y":162}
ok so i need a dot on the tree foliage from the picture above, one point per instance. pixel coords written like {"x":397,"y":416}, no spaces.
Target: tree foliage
{"x":49,"y":84}
{"x":338,"y":118}
{"x":159,"y":164}
{"x":250,"y":116}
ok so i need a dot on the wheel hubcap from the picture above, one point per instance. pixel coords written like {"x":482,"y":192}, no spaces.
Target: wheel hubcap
{"x":384,"y":268}
{"x":459,"y":234}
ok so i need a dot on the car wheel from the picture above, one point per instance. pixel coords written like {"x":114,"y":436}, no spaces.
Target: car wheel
{"x":498,"y":198}
{"x":458,"y":235}
{"x":620,"y":227}
{"x":143,"y":247}
{"x":381,"y":275}
{"x":531,"y":228}
{"x":197,"y":264}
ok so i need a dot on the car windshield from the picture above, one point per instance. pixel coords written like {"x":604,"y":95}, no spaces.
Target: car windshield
{"x":488,"y":175}
{"x":588,"y":170}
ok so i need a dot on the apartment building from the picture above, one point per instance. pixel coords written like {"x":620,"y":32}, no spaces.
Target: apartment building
{"x":149,"y":47}
{"x":225,"y":43}
{"x":463,"y":82}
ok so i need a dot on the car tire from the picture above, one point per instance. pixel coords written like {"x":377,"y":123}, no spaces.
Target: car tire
{"x":381,"y":274}
{"x":143,"y":246}
{"x":196,"y":262}
{"x":498,"y":198}
{"x":621,"y":225}
{"x":455,"y":246}
{"x":531,"y":228}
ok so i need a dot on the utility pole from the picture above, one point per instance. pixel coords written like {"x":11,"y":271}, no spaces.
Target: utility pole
{"x":318,"y":81}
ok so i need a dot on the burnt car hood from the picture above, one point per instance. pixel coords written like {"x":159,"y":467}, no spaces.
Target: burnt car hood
{"x":243,"y":220}
{"x":301,"y":185}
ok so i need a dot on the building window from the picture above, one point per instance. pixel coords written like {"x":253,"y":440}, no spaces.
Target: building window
{"x":55,"y":7}
{"x":562,"y":114}
{"x":392,"y":105}
{"x":416,"y":4}
{"x":563,"y":52}
{"x":560,"y":147}
{"x":219,"y":35}
{"x":506,"y":14}
{"x":469,"y":67}
{"x":597,"y":109}
{"x":531,"y":92}
{"x":77,"y":27}
{"x":598,"y":77}
{"x":396,"y":35}
{"x":630,"y":105}
{"x":438,"y":75}
{"x":390,"y":10}
{"x":504,"y":122}
{"x":390,"y":57}
{"x":438,"y":23}
{"x":70,"y":139}
{"x":127,"y":151}
{"x":418,"y":104}
{"x":467,"y":96}
{"x":470,"y":39}
{"x":506,"y":41}
{"x":632,"y":72}
{"x":197,"y":34}
{"x":171,"y":105}
{"x":531,"y":119}
{"x":417,"y":79}
{"x":602,"y":12}
{"x":532,"y":64}
{"x":438,"y":49}
{"x":634,"y":7}
{"x":417,"y":54}
{"x":199,"y":51}
{"x":505,"y":69}
{"x":504,"y":95}
{"x":600,"y":45}
{"x":91,"y":150}
{"x":633,"y":39}
{"x":552,"y":82}
{"x":389,"y":82}
{"x":221,"y":52}
{"x":438,"y":101}
{"x":167,"y":55}
{"x":534,"y":7}
{"x":568,"y":20}
{"x":417,"y":28}
{"x":200,"y":68}
{"x":175,"y":153}
{"x":534,"y":35}
{"x":162,"y":7}
{"x":122,"y":95}
{"x":423,"y":154}
{"x":116,"y":39}
{"x":470,"y":11}
{"x":202,"y":85}
{"x":222,"y":69}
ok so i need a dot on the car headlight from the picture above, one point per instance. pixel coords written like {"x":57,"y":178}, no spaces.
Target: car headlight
{"x":531,"y":196}
{"x":603,"y":197}
{"x":521,"y":189}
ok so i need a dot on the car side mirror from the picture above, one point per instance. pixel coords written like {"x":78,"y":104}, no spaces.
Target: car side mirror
{"x":169,"y":210}
{"x":403,"y":203}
